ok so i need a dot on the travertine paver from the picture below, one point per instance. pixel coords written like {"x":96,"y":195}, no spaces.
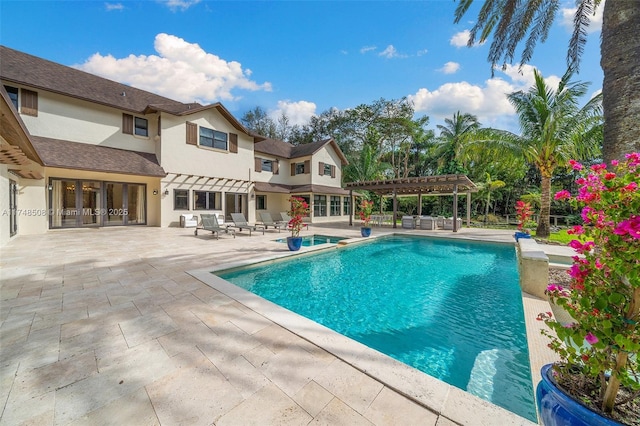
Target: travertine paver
{"x":109,"y":326}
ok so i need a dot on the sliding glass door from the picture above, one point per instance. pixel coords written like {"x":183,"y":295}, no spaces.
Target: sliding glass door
{"x":81,"y":203}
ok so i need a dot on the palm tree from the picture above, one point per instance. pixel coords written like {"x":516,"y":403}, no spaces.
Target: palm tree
{"x":555,"y":130}
{"x":365,"y":166}
{"x":511,"y":21}
{"x":454,"y":138}
{"x":489,"y":185}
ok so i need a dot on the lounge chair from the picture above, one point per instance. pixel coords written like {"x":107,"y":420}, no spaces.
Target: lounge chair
{"x":210,"y":223}
{"x":268,"y":221}
{"x":286,"y":219}
{"x":241,"y":223}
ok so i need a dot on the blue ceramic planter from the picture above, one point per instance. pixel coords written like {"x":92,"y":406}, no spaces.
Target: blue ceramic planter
{"x":556,"y":408}
{"x":520,"y":234}
{"x":294,"y":243}
{"x":365,"y":232}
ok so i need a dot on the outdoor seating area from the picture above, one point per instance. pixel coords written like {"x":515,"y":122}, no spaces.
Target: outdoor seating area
{"x":267,"y":221}
{"x":210,"y":223}
{"x":240,"y":223}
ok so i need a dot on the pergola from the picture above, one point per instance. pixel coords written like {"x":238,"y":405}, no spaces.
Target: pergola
{"x":423,"y":185}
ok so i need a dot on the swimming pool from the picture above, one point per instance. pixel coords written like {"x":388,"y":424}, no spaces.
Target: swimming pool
{"x":314,"y":240}
{"x":451,"y":309}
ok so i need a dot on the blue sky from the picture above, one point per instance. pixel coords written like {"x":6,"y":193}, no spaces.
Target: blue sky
{"x":297,"y":57}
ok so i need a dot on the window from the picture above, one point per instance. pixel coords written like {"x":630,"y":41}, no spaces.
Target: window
{"x":213,"y":138}
{"x":299,"y":169}
{"x":261,"y":202}
{"x":334,"y":206}
{"x":346,"y":206}
{"x":328,"y":170}
{"x":207,"y":200}
{"x":13,"y":95}
{"x":181,"y":199}
{"x":319,"y":205}
{"x":267,"y":165}
{"x":141,"y":127}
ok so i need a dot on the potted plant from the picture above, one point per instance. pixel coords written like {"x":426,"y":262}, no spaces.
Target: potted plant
{"x":523,"y":213}
{"x":299,"y":209}
{"x":598,"y":350}
{"x":366,"y":208}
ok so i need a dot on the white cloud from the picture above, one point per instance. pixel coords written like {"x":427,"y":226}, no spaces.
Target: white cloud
{"x":450,"y":68}
{"x":460,"y":39}
{"x":179,"y":4}
{"x":113,"y":6}
{"x":422,"y":52}
{"x":488,"y":101}
{"x":595,"y":25}
{"x":366,"y":49}
{"x":391,"y":52}
{"x":182,"y":71}
{"x":298,"y":112}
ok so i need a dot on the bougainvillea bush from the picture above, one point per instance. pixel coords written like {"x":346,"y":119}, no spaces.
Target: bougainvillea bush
{"x":299,"y":209}
{"x":603,"y":298}
{"x":366,"y":209}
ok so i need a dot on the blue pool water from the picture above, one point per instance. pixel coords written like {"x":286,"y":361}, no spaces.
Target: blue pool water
{"x":451,"y":309}
{"x":314,"y":240}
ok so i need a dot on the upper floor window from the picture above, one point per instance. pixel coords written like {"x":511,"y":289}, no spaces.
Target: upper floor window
{"x":141,"y":127}
{"x":138,"y":126}
{"x":327,"y":169}
{"x":213,"y":138}
{"x":13,"y":95}
{"x":267,"y":165}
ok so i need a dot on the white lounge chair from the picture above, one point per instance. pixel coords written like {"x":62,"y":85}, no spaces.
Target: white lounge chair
{"x":267,"y":221}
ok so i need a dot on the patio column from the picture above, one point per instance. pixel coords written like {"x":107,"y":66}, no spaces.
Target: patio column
{"x":455,"y":208}
{"x":419,"y":203}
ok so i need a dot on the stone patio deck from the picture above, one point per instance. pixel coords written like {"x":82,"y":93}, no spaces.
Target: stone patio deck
{"x":110,"y":326}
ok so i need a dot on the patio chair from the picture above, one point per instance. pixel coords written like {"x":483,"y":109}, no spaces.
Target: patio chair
{"x":286,"y":219}
{"x":240,"y":222}
{"x":210,"y":223}
{"x":268,"y":221}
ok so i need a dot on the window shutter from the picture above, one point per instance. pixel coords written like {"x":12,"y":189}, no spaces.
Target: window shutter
{"x":258,"y":165}
{"x":321,"y":168}
{"x":293,"y":169}
{"x":192,"y":133}
{"x":307,"y":167}
{"x":333,"y":171}
{"x":233,"y":143}
{"x":275,"y":167}
{"x":127,"y":124}
{"x":29,"y":105}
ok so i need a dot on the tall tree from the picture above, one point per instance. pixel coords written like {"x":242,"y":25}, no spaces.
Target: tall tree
{"x":511,"y":21}
{"x":455,"y":136}
{"x":554,"y":130}
{"x":259,"y":122}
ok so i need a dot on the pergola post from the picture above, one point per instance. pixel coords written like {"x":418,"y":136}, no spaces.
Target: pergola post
{"x":468,"y":209}
{"x":419,"y":203}
{"x":455,"y":208}
{"x":351,"y":207}
{"x":395,"y":209}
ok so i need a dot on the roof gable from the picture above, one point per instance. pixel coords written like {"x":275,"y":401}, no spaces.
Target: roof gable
{"x":283,"y":149}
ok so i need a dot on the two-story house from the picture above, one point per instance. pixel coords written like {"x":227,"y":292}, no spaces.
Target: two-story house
{"x":78,"y":150}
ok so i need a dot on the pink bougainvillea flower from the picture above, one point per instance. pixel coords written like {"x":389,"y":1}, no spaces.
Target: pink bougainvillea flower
{"x":630,"y":187}
{"x":576,"y":230}
{"x":575,"y":165}
{"x":554,"y":287}
{"x":633,"y":158}
{"x":562,"y":195}
{"x":629,"y":227}
{"x":615,"y":163}
{"x":610,"y":175}
{"x":599,"y":167}
{"x":591,"y":339}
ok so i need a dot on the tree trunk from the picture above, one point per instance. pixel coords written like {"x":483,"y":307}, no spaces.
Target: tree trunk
{"x":543,"y":229}
{"x":620,"y":61}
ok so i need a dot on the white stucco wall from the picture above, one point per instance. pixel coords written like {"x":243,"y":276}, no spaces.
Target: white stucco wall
{"x":4,"y":205}
{"x":67,"y":118}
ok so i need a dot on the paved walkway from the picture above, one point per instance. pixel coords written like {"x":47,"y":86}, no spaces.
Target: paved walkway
{"x":110,"y":327}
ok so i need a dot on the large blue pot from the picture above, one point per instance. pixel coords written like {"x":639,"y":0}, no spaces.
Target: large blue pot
{"x":294,"y":243}
{"x":365,"y":232}
{"x":556,"y":408}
